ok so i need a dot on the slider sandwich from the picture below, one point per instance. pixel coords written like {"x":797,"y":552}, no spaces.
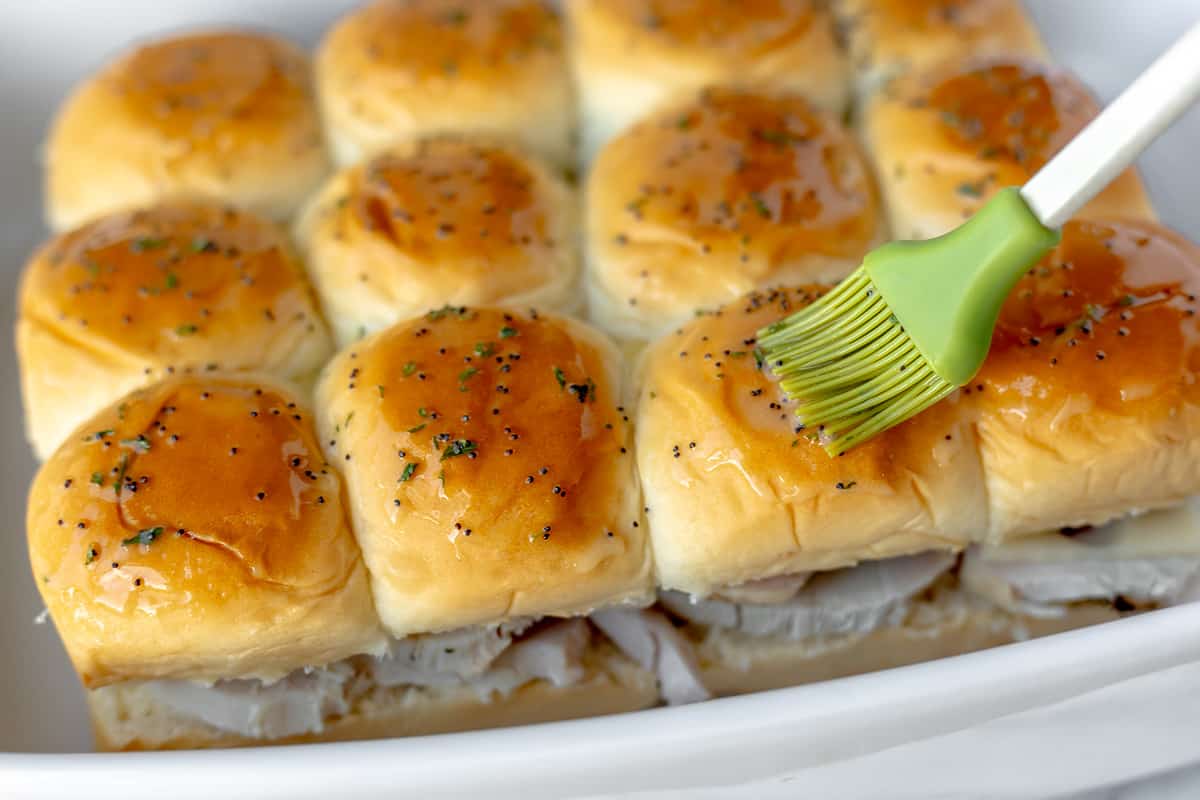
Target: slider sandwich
{"x":442,"y":220}
{"x":727,"y":191}
{"x":227,"y":116}
{"x":491,"y":483}
{"x":785,"y":565}
{"x":400,"y":70}
{"x":630,"y":57}
{"x":140,"y":295}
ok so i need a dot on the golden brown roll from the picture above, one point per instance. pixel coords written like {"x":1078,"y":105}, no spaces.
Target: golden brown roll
{"x":887,"y":37}
{"x":489,"y":468}
{"x":944,"y":141}
{"x":444,"y":220}
{"x":193,"y":530}
{"x":224,"y":115}
{"x":736,"y":493}
{"x":630,"y":56}
{"x":731,"y":191}
{"x":1088,"y":402}
{"x":140,"y":295}
{"x":404,"y":69}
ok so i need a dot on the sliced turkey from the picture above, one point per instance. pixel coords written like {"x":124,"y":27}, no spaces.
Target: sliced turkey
{"x":852,"y":600}
{"x":443,"y":659}
{"x":648,"y":638}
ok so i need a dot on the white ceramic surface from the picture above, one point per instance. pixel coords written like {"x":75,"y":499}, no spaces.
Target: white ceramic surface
{"x":885,"y":735}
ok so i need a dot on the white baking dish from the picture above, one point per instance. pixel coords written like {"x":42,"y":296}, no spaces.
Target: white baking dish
{"x":975,"y":723}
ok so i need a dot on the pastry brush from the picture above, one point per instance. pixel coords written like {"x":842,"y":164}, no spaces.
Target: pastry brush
{"x":914,"y":322}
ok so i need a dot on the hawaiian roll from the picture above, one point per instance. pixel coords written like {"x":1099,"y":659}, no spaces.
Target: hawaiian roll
{"x":139,"y":295}
{"x":193,"y":530}
{"x":444,"y":220}
{"x":1088,"y":402}
{"x":731,"y":191}
{"x":489,"y":468}
{"x":736,"y":492}
{"x":887,"y":37}
{"x":228,"y":116}
{"x":403,"y":69}
{"x":943,"y":142}
{"x":630,"y":56}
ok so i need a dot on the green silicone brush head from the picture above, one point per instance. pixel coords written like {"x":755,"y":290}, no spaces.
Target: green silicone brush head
{"x":910,"y":326}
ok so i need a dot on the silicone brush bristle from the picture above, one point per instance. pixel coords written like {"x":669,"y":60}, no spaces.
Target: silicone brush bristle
{"x":849,"y":366}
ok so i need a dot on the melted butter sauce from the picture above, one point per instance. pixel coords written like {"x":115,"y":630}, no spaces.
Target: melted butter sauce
{"x":452,"y":40}
{"x":503,"y":428}
{"x":744,"y":173}
{"x":742,"y":27}
{"x":163,"y":282}
{"x":196,"y":464}
{"x":196,"y":88}
{"x":454,"y":204}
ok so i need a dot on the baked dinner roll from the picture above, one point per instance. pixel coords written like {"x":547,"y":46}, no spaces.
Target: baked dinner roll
{"x":944,"y":141}
{"x":1088,"y":401}
{"x":489,"y":468}
{"x":886,"y":37}
{"x":193,"y":530}
{"x":442,"y":221}
{"x":223,"y":115}
{"x":735,"y":493}
{"x":630,"y":56}
{"x":402,"y":69}
{"x":732,"y":191}
{"x":140,"y":295}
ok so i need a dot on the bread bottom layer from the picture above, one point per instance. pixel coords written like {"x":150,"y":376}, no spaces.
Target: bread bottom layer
{"x":732,"y":662}
{"x":127,"y":717}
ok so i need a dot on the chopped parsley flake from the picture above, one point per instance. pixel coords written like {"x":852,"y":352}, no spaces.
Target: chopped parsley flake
{"x":409,"y":368}
{"x":417,"y":428}
{"x":144,"y":537}
{"x":409,"y":469}
{"x":560,"y":377}
{"x":186,"y":330}
{"x":584,"y":391}
{"x":507,"y":332}
{"x":97,"y":479}
{"x":446,"y":311}
{"x":144,"y":243}
{"x":484,"y":349}
{"x":172,"y":280}
{"x":459,"y":447}
{"x":98,"y":435}
{"x":139,"y":443}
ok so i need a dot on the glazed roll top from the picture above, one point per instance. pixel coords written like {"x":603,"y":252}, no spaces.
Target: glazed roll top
{"x":1088,"y":400}
{"x":706,"y":200}
{"x":489,"y":469}
{"x":139,"y":295}
{"x":737,"y":493}
{"x":630,"y":56}
{"x":442,"y":221}
{"x":944,"y":141}
{"x":228,"y":116}
{"x":194,"y":530}
{"x":887,"y":37}
{"x":402,"y":69}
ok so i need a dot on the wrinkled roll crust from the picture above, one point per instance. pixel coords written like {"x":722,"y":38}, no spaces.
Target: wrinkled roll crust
{"x":126,"y":717}
{"x":141,"y":295}
{"x":736,"y":493}
{"x":441,"y":221}
{"x":489,"y":468}
{"x":1088,"y":402}
{"x":193,"y":530}
{"x":887,"y":37}
{"x":404,"y":69}
{"x":227,"y":116}
{"x":630,"y":56}
{"x":709,"y":199}
{"x":944,"y":141}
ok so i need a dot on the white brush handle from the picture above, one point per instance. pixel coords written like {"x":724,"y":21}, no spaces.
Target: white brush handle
{"x":1118,"y":135}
